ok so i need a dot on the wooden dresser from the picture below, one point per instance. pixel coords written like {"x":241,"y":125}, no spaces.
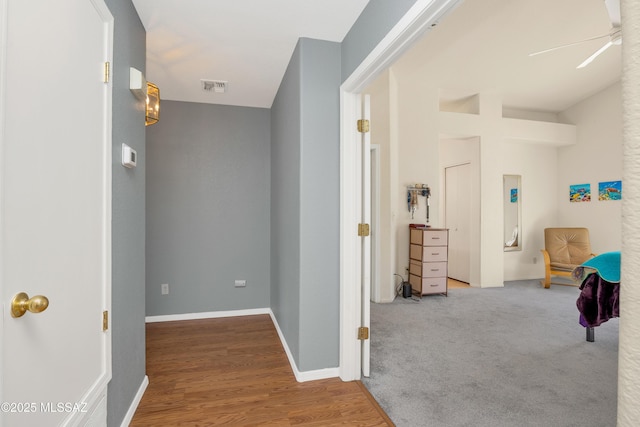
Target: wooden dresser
{"x":428,"y":254}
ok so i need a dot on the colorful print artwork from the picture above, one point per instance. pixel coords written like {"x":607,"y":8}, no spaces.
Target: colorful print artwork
{"x":580,"y":193}
{"x":611,"y":190}
{"x":514,"y":195}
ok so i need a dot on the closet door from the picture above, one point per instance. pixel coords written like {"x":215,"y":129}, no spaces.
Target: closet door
{"x":458,"y":220}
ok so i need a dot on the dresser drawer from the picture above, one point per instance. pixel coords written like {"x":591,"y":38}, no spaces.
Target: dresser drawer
{"x":415,"y":267}
{"x":428,"y":285}
{"x":428,"y":253}
{"x":428,"y":269}
{"x":428,"y":237}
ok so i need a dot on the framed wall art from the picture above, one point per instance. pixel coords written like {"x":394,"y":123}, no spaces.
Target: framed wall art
{"x":580,"y":193}
{"x":610,"y":190}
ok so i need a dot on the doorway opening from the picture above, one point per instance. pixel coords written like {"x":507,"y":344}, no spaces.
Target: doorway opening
{"x":418,"y":20}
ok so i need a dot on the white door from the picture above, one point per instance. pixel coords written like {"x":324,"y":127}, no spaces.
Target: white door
{"x":375,"y":223}
{"x":366,"y":240}
{"x":55,"y":210}
{"x":458,"y":220}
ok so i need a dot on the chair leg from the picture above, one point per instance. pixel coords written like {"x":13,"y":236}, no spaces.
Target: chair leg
{"x":546,"y":283}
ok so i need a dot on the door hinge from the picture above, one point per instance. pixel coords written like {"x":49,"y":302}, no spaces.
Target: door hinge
{"x":363,"y":333}
{"x":107,"y":67}
{"x":363,"y":126}
{"x":105,"y":320}
{"x":363,"y":230}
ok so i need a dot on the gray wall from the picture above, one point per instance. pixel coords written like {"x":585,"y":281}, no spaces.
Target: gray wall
{"x":128,"y":237}
{"x":320,"y":205}
{"x":373,"y":24}
{"x":208,"y":220}
{"x":305,"y":204}
{"x":286,"y":134}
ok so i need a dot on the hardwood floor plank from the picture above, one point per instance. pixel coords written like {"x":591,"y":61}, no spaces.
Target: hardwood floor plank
{"x":234,"y":372}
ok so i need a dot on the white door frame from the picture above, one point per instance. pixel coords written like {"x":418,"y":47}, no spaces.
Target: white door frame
{"x":422,"y":16}
{"x":375,"y":223}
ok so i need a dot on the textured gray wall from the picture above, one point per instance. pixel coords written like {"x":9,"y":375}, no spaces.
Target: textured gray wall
{"x":128,"y":237}
{"x":320,"y":205}
{"x":305,"y":186}
{"x":286,"y":128}
{"x":305,"y":205}
{"x":373,"y":24}
{"x":208,"y":220}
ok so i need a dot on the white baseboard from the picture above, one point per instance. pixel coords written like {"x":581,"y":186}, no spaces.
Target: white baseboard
{"x":136,"y":401}
{"x":207,"y":315}
{"x":318,"y":374}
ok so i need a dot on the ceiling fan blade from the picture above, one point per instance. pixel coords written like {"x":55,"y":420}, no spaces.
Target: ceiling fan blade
{"x":568,"y":45}
{"x":613,"y":8}
{"x":595,"y":55}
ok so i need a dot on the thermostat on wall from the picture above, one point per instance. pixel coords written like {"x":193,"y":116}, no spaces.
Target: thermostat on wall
{"x":129,"y":156}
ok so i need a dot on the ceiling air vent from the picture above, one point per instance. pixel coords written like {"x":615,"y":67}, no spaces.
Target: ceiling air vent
{"x":215,"y":86}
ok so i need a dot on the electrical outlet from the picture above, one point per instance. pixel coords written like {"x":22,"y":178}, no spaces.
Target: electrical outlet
{"x":535,"y":260}
{"x":164,"y":288}
{"x":240,"y":283}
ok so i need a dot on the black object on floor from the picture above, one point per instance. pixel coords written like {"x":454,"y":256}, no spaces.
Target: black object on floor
{"x":406,"y":290}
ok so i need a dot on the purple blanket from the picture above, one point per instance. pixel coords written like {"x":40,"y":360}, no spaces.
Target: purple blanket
{"x":598,"y":301}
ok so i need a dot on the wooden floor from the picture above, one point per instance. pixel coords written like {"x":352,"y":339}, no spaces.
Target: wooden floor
{"x":455,"y":284}
{"x":234,"y":372}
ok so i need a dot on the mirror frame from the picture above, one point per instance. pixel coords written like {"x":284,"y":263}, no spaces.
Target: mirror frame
{"x":509,"y":215}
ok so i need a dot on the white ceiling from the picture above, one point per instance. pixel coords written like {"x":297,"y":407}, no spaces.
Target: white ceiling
{"x":246,"y":42}
{"x":482,"y":46}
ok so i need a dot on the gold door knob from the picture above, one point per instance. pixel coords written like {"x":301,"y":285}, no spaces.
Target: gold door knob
{"x":21,"y":303}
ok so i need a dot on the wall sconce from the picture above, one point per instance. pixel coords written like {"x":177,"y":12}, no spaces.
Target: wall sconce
{"x":137,"y":84}
{"x":148,"y":92}
{"x":153,"y":105}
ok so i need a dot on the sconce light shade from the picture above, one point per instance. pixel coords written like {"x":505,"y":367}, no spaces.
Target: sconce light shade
{"x":137,"y":84}
{"x":153,"y":104}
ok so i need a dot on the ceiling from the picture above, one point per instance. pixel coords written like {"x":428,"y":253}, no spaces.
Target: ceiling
{"x":247,"y":43}
{"x":482,"y":46}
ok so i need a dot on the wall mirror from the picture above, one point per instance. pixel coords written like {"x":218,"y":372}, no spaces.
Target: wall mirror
{"x":512,"y":213}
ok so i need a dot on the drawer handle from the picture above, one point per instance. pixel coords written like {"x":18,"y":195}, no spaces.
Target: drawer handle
{"x":434,"y":286}
{"x":435,"y":238}
{"x":435,"y":253}
{"x":435,"y":269}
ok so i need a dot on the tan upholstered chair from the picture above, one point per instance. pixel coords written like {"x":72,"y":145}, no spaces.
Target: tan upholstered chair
{"x":564,"y":250}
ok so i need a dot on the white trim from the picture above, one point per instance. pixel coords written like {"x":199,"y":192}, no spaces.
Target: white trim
{"x":96,"y":394}
{"x":319,"y":374}
{"x":128,"y":417}
{"x":108,"y":23}
{"x":375,"y":223}
{"x":3,"y":58}
{"x":349,"y":260}
{"x":207,"y":315}
{"x":422,"y":16}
